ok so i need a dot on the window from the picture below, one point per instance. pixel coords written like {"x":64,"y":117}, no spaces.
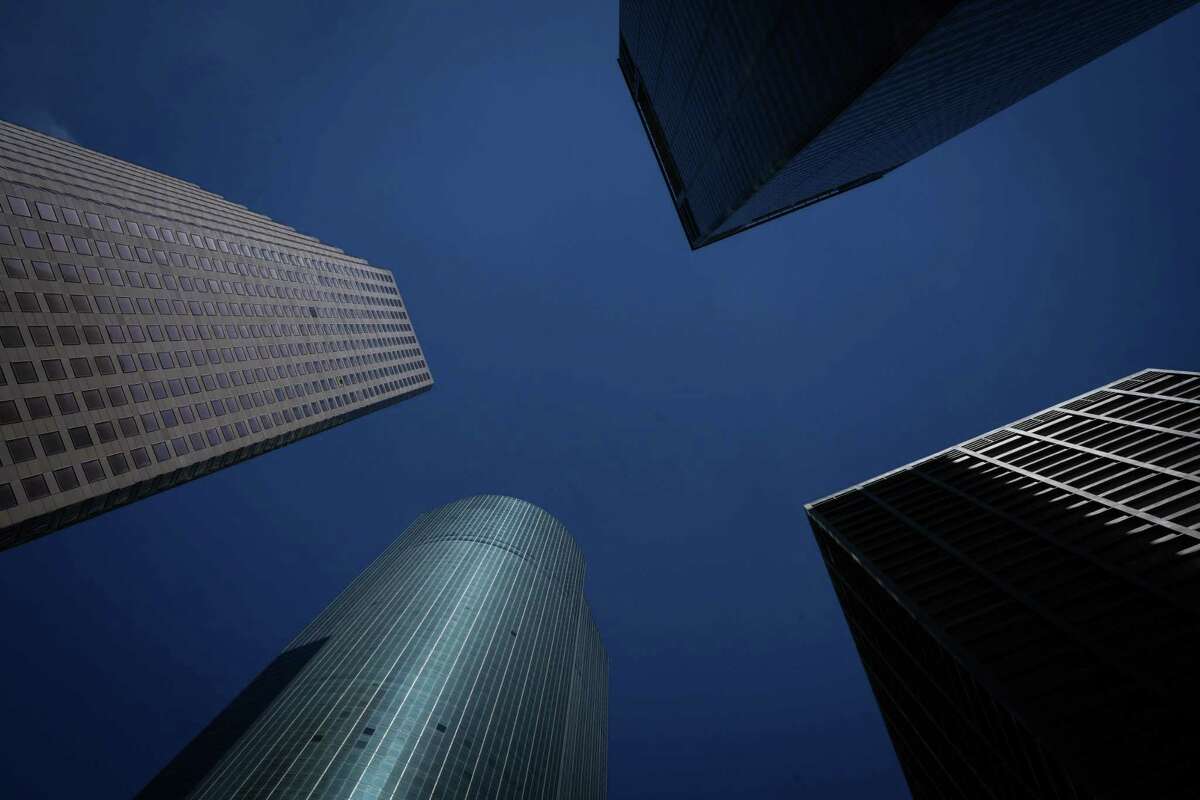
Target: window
{"x":80,"y":438}
{"x":58,"y":242}
{"x":31,"y":239}
{"x":52,"y":443}
{"x":28,"y":302}
{"x":9,"y":412}
{"x":7,"y":498}
{"x":45,"y":211}
{"x":18,"y":206}
{"x":68,"y":334}
{"x":81,"y":305}
{"x":93,"y":471}
{"x":93,"y":399}
{"x":24,"y":372}
{"x":128,"y":426}
{"x":81,"y":245}
{"x":116,"y":396}
{"x":40,"y":336}
{"x":106,"y":432}
{"x":93,"y":220}
{"x":71,"y":216}
{"x":54,"y":369}
{"x":66,"y":402}
{"x":80,"y":368}
{"x":66,"y":479}
{"x":37,"y":407}
{"x":20,"y":450}
{"x":104,"y":365}
{"x":117,"y":464}
{"x":92,"y":275}
{"x":56,"y":303}
{"x":91,"y":334}
{"x":15,"y":268}
{"x":42,"y":270}
{"x":6,"y":235}
{"x":69,"y":272}
{"x":114,"y":224}
{"x":161,"y":453}
{"x":35,"y":487}
{"x":10,"y":336}
{"x":140,"y":457}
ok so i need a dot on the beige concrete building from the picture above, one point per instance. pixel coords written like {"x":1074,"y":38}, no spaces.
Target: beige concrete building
{"x":152,"y":332}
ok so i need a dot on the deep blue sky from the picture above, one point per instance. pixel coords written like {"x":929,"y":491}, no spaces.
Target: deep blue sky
{"x":674,"y":409}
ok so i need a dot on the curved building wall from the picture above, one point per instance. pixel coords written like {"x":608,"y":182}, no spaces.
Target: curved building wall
{"x":462,"y":663}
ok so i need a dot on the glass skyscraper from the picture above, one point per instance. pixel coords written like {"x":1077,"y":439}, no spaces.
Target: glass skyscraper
{"x":1027,"y":604}
{"x":152,"y":332}
{"x":760,"y":108}
{"x":463,"y":663}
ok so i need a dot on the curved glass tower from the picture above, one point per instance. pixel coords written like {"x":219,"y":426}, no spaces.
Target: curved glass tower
{"x":463,"y":663}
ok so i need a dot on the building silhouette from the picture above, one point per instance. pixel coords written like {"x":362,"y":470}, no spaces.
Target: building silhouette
{"x":757,"y":109}
{"x":152,"y":332}
{"x":462,"y":663}
{"x":1027,"y":604}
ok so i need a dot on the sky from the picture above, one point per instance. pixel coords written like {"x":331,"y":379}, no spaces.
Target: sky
{"x":674,"y":409}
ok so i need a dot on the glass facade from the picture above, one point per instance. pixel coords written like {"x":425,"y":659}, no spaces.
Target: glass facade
{"x":464,"y":662}
{"x":1027,"y":604}
{"x":152,"y":332}
{"x":757,"y":109}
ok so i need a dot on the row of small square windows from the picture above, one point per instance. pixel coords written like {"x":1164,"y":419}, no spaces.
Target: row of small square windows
{"x":36,"y":487}
{"x":21,"y":449}
{"x":55,"y":303}
{"x":52,"y":302}
{"x":80,"y":245}
{"x":15,"y":268}
{"x":94,"y":398}
{"x":46,"y":211}
{"x":69,"y":334}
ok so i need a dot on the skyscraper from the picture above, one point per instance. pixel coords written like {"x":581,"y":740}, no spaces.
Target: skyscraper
{"x":1027,"y":604}
{"x":152,"y":332}
{"x":757,"y":109}
{"x":463,"y":663}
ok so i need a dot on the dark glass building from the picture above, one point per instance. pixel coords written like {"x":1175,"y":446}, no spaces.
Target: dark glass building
{"x":1027,"y":604}
{"x":760,"y":108}
{"x":463,"y":663}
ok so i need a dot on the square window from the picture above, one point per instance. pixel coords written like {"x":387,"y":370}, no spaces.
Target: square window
{"x":66,"y":479}
{"x":140,"y":457}
{"x":93,"y":220}
{"x":7,"y":498}
{"x":15,"y":268}
{"x":80,"y":368}
{"x":9,"y":413}
{"x":128,"y":426}
{"x":116,"y":396}
{"x":71,"y":216}
{"x":10,"y":336}
{"x":24,"y":372}
{"x":179,"y":445}
{"x":52,"y":443}
{"x":20,"y":450}
{"x":45,"y":211}
{"x":38,"y":407}
{"x":35,"y":487}
{"x":42,"y":270}
{"x":105,"y":366}
{"x":6,"y":236}
{"x":31,"y":239}
{"x":18,"y":206}
{"x":81,"y":245}
{"x":40,"y":336}
{"x":58,"y":242}
{"x":54,"y":369}
{"x":28,"y":302}
{"x":161,"y":452}
{"x":68,"y":334}
{"x":56,"y":303}
{"x":93,"y":399}
{"x":114,"y":224}
{"x":93,"y":471}
{"x":118,"y":464}
{"x":69,"y":272}
{"x":106,"y":432}
{"x":66,"y":402}
{"x":80,"y":438}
